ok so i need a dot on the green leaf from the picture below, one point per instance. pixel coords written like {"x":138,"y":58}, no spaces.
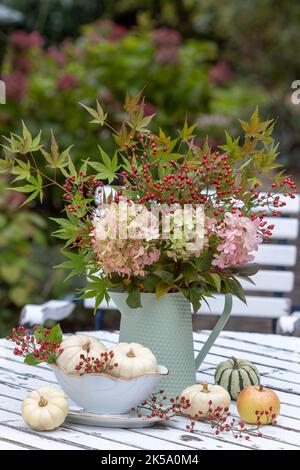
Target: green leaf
{"x":245,"y":278}
{"x":248,"y":270}
{"x":150,"y":282}
{"x":28,"y":188}
{"x":56,"y":159}
{"x":76,"y":263}
{"x":68,"y":230}
{"x":232,"y":145}
{"x":107,"y":169}
{"x":104,"y":173}
{"x":31,"y":361}
{"x":203,"y":263}
{"x":165,"y":276}
{"x":143,"y":123}
{"x":98,"y":113}
{"x":122,"y":138}
{"x":195,"y":298}
{"x":39,"y":333}
{"x":96,"y":287}
{"x":55,"y":334}
{"x":189,"y":272}
{"x":35,"y":186}
{"x":216,"y":280}
{"x":187,"y":132}
{"x":132,"y":103}
{"x":72,"y":168}
{"x":23,"y":144}
{"x":100,"y":295}
{"x":134,"y":297}
{"x":22,"y":170}
{"x":5,"y":166}
{"x":237,"y":289}
{"x":30,"y":198}
{"x":52,"y":357}
{"x":162,"y":288}
{"x":135,"y":108}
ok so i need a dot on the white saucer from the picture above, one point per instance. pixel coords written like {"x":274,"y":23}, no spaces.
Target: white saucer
{"x":127,"y":420}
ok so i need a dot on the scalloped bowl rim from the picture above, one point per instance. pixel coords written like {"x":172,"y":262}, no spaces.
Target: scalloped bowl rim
{"x":160,"y":371}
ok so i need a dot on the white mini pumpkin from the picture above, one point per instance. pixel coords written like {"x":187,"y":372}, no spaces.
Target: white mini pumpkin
{"x":133,"y":360}
{"x":75,"y":346}
{"x":200,"y":395}
{"x":45,"y":409}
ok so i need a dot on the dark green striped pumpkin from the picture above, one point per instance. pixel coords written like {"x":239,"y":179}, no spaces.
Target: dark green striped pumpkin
{"x":235,"y":375}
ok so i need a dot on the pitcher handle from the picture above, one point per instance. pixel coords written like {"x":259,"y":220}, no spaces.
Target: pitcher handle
{"x":215,"y":332}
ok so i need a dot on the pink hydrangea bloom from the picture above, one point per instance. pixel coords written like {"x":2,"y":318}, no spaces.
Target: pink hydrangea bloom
{"x":22,"y":63}
{"x":23,"y":40}
{"x":220,"y":72}
{"x":126,"y":257}
{"x":129,"y":255}
{"x":57,"y":55}
{"x":167,"y":55}
{"x":210,"y":225}
{"x":166,"y":37}
{"x":110,"y":30}
{"x":239,"y":237}
{"x":16,"y":85}
{"x":167,"y":42}
{"x":67,"y":81}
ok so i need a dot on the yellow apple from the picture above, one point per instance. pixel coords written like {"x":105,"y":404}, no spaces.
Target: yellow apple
{"x":254,"y":400}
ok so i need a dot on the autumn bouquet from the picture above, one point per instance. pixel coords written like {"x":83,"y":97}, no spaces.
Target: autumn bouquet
{"x":179,"y":218}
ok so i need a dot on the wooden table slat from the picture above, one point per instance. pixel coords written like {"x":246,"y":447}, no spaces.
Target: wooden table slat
{"x":278,"y":359}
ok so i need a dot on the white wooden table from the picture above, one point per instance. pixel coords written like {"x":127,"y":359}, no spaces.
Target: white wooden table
{"x":277,"y":357}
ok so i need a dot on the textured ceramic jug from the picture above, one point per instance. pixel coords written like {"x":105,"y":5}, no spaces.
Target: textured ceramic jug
{"x":164,"y":325}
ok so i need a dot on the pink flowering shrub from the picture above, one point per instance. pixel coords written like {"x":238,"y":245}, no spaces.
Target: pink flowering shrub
{"x":66,"y":81}
{"x":22,"y":40}
{"x":16,"y":85}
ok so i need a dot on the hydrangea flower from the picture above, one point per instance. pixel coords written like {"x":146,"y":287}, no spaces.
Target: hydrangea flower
{"x":238,"y":238}
{"x":124,"y":241}
{"x":184,"y":230}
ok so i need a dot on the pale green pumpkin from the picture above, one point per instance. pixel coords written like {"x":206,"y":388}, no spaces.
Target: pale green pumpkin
{"x":235,"y":375}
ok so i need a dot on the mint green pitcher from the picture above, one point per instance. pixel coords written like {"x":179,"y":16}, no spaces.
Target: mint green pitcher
{"x":165,"y":326}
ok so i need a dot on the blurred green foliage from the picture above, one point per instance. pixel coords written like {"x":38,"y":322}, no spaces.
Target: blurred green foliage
{"x":27,"y":257}
{"x":256,"y":38}
{"x":21,"y":231}
{"x":44,"y":86}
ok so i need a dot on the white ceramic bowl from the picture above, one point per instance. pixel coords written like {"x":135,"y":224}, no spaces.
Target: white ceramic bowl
{"x":104,"y":394}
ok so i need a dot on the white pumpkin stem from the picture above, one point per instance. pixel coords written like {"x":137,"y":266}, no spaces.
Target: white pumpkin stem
{"x":205,"y":387}
{"x":43,"y":402}
{"x":130,"y":353}
{"x":235,"y":362}
{"x":87,"y":346}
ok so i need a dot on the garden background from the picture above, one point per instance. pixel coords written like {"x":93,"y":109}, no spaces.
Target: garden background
{"x":213,"y":60}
